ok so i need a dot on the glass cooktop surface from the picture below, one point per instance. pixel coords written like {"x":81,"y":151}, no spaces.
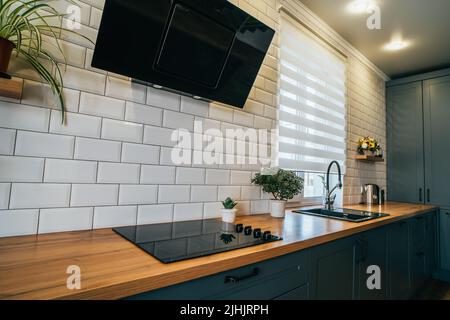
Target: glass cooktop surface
{"x":170,"y":242}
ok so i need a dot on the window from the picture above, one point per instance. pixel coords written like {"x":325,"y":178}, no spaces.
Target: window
{"x":312,"y":107}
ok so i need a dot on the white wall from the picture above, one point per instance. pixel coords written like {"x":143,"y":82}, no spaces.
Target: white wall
{"x":110,"y":167}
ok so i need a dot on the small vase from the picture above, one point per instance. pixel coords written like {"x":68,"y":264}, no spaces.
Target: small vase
{"x":6,"y":48}
{"x":278,"y":208}
{"x":229,"y":215}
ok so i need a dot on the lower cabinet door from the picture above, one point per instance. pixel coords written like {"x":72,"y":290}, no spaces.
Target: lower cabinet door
{"x":418,"y":252}
{"x":444,"y":226}
{"x":430,"y":243}
{"x":332,"y":270}
{"x":399,"y":262}
{"x":300,"y":293}
{"x":372,"y":272}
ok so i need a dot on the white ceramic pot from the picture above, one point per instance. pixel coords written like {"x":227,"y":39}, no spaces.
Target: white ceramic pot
{"x":278,"y":208}
{"x":229,"y":215}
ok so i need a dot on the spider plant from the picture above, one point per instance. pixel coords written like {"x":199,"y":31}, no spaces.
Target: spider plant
{"x":25,"y":24}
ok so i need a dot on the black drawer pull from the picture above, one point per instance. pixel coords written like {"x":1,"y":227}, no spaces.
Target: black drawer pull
{"x":428,"y":195}
{"x":234,"y":279}
{"x":420,"y":195}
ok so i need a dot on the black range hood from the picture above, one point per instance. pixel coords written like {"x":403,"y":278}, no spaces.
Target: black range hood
{"x":208,"y":49}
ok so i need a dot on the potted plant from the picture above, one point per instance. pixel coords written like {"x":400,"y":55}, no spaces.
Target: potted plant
{"x":25,"y":30}
{"x":282,"y":184}
{"x":369,"y":146}
{"x":229,"y":211}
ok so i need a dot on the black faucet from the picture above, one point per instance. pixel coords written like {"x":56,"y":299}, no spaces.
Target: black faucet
{"x":329,"y":201}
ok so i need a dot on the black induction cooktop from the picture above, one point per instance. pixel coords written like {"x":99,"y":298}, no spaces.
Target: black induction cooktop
{"x":170,"y":242}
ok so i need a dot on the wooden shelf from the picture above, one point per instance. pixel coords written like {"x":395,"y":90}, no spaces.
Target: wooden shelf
{"x":368,"y":158}
{"x":11,"y":88}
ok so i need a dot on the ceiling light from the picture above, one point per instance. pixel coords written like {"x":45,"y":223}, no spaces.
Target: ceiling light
{"x":157,"y":86}
{"x":396,"y":45}
{"x":360,"y":6}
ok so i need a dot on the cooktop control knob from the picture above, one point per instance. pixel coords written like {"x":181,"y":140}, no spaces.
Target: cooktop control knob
{"x":239,"y":228}
{"x":267,"y":235}
{"x":248,"y":230}
{"x":257,"y":233}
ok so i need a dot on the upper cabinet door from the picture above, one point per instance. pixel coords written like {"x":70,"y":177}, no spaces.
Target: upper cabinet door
{"x":437,"y":140}
{"x":405,"y":143}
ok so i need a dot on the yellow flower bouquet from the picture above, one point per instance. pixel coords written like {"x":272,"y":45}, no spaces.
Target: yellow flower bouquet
{"x":369,"y":144}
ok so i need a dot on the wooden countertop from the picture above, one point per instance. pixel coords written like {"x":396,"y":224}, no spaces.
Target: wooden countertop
{"x":34,"y":267}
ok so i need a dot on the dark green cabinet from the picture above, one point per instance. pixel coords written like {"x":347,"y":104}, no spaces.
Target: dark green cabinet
{"x":418,"y":253}
{"x":333,"y":270}
{"x":371,"y":251}
{"x":399,"y":262}
{"x":444,"y":235}
{"x":418,"y":113}
{"x":436,"y":103}
{"x":405,"y":143}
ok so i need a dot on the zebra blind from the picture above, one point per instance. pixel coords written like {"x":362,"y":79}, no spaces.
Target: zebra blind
{"x":312,"y":129}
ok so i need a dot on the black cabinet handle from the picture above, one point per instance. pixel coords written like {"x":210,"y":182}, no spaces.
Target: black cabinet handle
{"x":420,"y":195}
{"x":234,"y":279}
{"x":428,"y":195}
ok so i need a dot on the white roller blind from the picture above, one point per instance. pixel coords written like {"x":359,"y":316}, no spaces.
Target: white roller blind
{"x":312,"y":101}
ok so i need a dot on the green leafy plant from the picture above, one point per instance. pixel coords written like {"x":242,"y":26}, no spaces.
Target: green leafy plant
{"x":229,"y":203}
{"x":283,"y":184}
{"x":25,"y":24}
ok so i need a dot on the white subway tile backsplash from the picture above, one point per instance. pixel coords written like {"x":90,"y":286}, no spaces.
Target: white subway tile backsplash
{"x":122,"y":131}
{"x":157,"y":175}
{"x":190,"y":176}
{"x":141,"y":113}
{"x":220,"y":113}
{"x":5,"y":189}
{"x":217,"y":177}
{"x":126,"y":90}
{"x":241,"y":177}
{"x":88,"y":32}
{"x":76,"y":124}
{"x":70,"y":171}
{"x":160,"y":136}
{"x":163,"y":99}
{"x":85,"y":195}
{"x":260,"y":206}
{"x":140,"y":153}
{"x":251,"y":193}
{"x":138,"y":194}
{"x":234,"y":192}
{"x":243,"y":118}
{"x":176,"y":120}
{"x":20,"y":169}
{"x":212,"y":210}
{"x":173,"y":194}
{"x":7,"y":139}
{"x":118,"y":173}
{"x":203,"y":193}
{"x":109,"y":217}
{"x":153,"y":214}
{"x":95,"y":149}
{"x":84,"y":80}
{"x":195,"y":107}
{"x":96,"y":17}
{"x":175,"y":157}
{"x":39,"y":195}
{"x":18,"y":222}
{"x":188,"y":211}
{"x":44,"y":145}
{"x":243,"y":208}
{"x":102,"y":106}
{"x":39,"y":94}
{"x":66,"y":219}
{"x":16,"y":116}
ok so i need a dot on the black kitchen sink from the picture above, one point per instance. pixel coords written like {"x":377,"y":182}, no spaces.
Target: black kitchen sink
{"x":343,"y":214}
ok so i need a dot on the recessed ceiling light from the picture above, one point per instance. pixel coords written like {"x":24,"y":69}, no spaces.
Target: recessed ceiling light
{"x":360,"y":6}
{"x":197,"y":97}
{"x":157,"y":86}
{"x":396,"y":45}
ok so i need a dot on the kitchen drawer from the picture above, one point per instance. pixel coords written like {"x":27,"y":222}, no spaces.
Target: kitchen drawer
{"x":444,"y":238}
{"x":293,"y":266}
{"x":300,"y":293}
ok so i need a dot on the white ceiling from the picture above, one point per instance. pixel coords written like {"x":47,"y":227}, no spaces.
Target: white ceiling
{"x":423,"y":23}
